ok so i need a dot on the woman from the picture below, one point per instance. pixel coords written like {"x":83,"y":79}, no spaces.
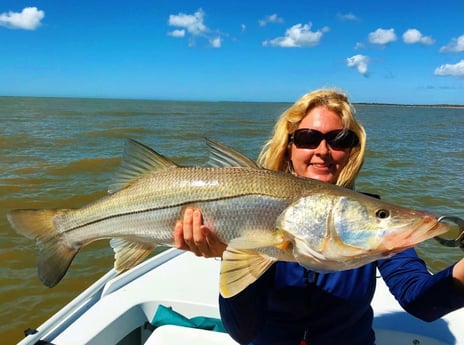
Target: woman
{"x":318,"y":137}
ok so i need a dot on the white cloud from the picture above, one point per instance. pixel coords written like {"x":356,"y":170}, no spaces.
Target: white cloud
{"x":273,"y":18}
{"x":359,"y":45}
{"x":359,"y":62}
{"x":344,"y":17}
{"x":456,"y":70}
{"x":177,"y":33}
{"x":216,"y":42}
{"x":297,"y":36}
{"x":193,"y":26}
{"x":455,"y":46}
{"x":193,"y":23}
{"x":382,"y":36}
{"x":28,"y":19}
{"x":413,"y":36}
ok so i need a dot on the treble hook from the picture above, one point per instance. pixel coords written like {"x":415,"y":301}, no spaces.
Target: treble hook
{"x":458,"y":241}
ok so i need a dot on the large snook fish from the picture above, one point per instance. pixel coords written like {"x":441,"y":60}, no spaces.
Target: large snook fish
{"x":263,"y":215}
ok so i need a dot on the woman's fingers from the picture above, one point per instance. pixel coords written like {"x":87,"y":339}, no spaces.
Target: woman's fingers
{"x":191,"y":234}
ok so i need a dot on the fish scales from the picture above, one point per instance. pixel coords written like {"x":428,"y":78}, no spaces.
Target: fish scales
{"x":156,"y":201}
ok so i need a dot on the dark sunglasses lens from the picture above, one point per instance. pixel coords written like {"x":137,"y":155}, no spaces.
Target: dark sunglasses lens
{"x":342,"y":140}
{"x":307,"y":138}
{"x":310,"y":139}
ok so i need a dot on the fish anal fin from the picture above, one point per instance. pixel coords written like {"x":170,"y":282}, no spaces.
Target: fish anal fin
{"x":128,"y":254}
{"x":240,"y":268}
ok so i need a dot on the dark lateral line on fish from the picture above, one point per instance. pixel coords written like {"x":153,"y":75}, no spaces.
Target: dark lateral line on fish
{"x":158,"y":208}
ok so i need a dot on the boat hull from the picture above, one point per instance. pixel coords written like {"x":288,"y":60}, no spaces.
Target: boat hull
{"x":116,"y":308}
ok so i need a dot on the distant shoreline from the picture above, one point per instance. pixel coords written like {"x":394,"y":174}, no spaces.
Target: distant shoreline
{"x":413,"y":105}
{"x":225,"y":101}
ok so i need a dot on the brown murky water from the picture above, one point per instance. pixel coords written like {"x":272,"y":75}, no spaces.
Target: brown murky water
{"x":58,"y":153}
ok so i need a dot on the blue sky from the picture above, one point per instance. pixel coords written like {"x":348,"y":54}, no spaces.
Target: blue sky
{"x":393,"y":52}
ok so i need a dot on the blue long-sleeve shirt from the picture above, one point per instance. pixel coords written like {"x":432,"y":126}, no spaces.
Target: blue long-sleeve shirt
{"x":289,"y":301}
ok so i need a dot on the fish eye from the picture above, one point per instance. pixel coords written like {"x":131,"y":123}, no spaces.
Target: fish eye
{"x":382,"y":214}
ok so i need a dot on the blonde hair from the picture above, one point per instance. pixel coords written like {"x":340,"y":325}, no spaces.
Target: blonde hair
{"x":275,"y":153}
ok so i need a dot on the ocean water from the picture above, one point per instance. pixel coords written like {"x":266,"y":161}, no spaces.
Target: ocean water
{"x":61,"y":152}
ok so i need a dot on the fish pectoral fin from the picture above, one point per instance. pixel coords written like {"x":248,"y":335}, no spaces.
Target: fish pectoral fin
{"x":265,"y":239}
{"x":128,"y":254}
{"x":240,"y":268}
{"x":137,"y":160}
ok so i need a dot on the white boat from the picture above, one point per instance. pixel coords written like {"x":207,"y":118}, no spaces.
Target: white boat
{"x":116,"y":309}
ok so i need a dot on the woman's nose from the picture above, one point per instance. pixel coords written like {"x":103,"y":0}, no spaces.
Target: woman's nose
{"x":322,"y":148}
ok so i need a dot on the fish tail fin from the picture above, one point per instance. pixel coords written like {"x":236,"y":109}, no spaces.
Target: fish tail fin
{"x":240,"y":268}
{"x":55,"y":256}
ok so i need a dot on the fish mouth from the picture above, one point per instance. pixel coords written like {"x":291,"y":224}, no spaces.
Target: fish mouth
{"x":409,"y":236}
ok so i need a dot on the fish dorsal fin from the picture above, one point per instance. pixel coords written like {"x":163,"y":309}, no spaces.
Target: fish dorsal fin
{"x":240,"y":268}
{"x":221,"y":155}
{"x":137,"y":160}
{"x":128,"y":254}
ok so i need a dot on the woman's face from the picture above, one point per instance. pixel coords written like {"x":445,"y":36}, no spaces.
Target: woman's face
{"x":323,"y":162}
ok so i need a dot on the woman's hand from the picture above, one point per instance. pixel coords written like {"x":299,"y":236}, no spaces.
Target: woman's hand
{"x":191,"y":234}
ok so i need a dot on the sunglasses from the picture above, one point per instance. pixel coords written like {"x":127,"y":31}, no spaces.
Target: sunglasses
{"x":338,"y":139}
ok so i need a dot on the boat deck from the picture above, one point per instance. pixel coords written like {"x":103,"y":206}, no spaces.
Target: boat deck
{"x":120,"y":307}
